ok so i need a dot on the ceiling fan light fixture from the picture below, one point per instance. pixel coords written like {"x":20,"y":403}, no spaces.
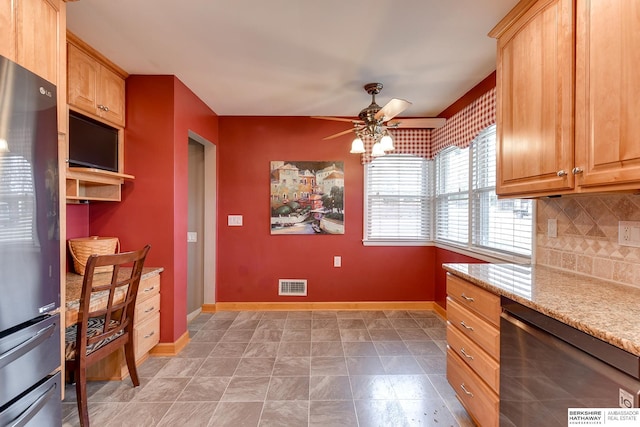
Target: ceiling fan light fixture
{"x":357,"y":146}
{"x":387,"y":142}
{"x":377,"y":150}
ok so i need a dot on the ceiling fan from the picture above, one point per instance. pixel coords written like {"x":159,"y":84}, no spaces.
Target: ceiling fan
{"x":374,"y":121}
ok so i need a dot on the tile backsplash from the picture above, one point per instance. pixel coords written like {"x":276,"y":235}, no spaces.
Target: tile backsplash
{"x":587,"y":237}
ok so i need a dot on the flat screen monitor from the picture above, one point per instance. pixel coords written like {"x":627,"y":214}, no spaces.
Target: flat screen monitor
{"x":92,"y":144}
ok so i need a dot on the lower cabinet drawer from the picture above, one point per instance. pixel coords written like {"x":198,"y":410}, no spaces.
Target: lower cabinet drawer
{"x":478,"y":330}
{"x":148,"y":287}
{"x":481,"y":302}
{"x":477,"y":359}
{"x":146,"y":335}
{"x":477,"y":398}
{"x":146,"y":309}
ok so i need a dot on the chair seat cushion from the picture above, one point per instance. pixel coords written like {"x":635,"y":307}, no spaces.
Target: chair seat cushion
{"x":95,"y":327}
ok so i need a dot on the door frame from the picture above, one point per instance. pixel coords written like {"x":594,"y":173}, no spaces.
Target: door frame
{"x":210,"y":215}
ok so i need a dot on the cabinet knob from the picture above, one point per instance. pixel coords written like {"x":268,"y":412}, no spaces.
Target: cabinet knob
{"x":561,"y":173}
{"x":103,"y":108}
{"x":576,"y":170}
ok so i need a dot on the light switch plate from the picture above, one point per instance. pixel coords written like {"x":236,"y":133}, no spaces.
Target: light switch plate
{"x":234,"y":220}
{"x":192,"y":236}
{"x":337,"y":261}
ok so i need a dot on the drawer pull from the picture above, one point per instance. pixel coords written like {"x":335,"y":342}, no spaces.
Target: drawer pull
{"x":149,"y":289}
{"x":464,"y":353}
{"x":149,"y":310}
{"x":464,"y":325}
{"x":470,"y":299}
{"x":150,"y":335}
{"x":467,"y":392}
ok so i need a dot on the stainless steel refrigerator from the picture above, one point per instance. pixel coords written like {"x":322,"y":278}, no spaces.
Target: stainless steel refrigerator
{"x":29,"y":250}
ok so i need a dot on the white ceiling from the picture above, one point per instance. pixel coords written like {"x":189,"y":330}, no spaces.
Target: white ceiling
{"x":300,"y":57}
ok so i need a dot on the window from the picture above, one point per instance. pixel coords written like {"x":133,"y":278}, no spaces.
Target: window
{"x":501,"y":225}
{"x":407,"y":196}
{"x":468,"y":212}
{"x":398,"y":200}
{"x":452,"y":200}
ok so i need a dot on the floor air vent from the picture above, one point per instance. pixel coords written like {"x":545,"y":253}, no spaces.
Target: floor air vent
{"x":292,"y":287}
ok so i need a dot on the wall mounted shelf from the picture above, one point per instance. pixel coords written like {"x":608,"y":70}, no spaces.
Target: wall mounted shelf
{"x":87,"y":184}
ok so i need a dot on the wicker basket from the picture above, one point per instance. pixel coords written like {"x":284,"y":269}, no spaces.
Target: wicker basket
{"x":84,"y":247}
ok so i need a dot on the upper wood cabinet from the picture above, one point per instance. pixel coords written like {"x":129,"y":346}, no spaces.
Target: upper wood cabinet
{"x":7,"y":22}
{"x":567,"y":97}
{"x":608,"y":94}
{"x":534,"y":84}
{"x":33,"y":36}
{"x":31,"y":31}
{"x":96,"y":87}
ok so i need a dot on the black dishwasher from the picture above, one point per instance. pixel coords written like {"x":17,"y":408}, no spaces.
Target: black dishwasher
{"x":547,"y":367}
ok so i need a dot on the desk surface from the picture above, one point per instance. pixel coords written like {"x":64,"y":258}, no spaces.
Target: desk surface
{"x":74,"y":289}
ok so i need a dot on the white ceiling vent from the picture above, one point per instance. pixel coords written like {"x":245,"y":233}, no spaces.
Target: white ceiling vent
{"x":292,"y":287}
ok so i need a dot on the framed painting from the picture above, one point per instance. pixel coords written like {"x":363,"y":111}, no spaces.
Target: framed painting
{"x":307,"y":197}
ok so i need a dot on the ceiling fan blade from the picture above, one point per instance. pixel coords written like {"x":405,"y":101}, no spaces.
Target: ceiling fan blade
{"x":418,"y":123}
{"x":335,"y":135}
{"x":392,"y":109}
{"x":337,"y":119}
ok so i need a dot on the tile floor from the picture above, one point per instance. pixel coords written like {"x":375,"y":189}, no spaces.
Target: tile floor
{"x":297,"y":368}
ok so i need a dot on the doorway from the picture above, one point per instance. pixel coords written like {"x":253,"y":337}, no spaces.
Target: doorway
{"x":202,"y":223}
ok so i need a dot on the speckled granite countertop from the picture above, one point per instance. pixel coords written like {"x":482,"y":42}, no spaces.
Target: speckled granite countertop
{"x":74,"y":289}
{"x":606,"y":310}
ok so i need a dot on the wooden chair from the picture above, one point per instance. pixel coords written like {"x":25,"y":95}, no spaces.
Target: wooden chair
{"x":105,"y":320}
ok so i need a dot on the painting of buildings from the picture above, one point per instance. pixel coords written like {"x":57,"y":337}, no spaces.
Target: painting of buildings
{"x":307,"y":197}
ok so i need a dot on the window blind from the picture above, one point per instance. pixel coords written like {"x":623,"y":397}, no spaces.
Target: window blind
{"x":501,"y":225}
{"x":398,"y":198}
{"x":452,"y":195}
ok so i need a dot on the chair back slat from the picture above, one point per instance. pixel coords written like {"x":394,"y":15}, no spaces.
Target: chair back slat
{"x":118,"y":289}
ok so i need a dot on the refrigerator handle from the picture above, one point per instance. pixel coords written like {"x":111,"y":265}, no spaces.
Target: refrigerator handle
{"x":26,"y":346}
{"x":34,"y":408}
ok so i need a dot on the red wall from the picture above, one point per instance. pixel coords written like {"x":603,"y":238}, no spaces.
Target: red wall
{"x":251,"y":260}
{"x":160,"y":113}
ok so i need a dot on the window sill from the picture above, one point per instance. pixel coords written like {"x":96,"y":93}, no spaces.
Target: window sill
{"x":392,"y":242}
{"x":485,"y":255}
{"x":479,"y":254}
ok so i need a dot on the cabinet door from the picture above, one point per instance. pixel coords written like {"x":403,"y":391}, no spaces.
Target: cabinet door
{"x":607,"y":93}
{"x":37,"y":49}
{"x":110,"y":98}
{"x":82,"y":79}
{"x":7,"y":41}
{"x":535,"y":101}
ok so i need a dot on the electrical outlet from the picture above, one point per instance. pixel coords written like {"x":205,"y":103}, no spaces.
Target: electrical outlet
{"x":337,"y":261}
{"x":552,"y":227}
{"x":629,"y":233}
